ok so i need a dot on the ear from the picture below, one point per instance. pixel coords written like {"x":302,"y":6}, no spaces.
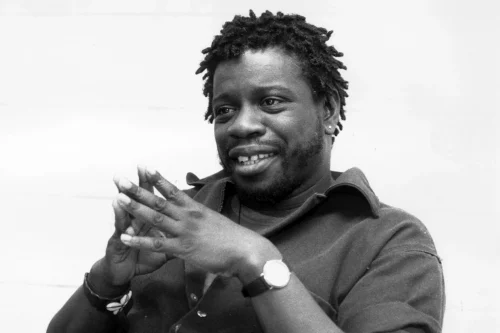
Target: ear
{"x":331,"y":113}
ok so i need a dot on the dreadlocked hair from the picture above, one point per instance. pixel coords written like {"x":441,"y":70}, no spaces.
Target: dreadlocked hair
{"x":288,"y":32}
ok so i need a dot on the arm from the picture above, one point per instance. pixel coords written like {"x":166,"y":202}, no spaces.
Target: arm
{"x":216,"y":244}
{"x":291,"y":309}
{"x":403,"y":291}
{"x":403,"y":288}
{"x":110,"y":276}
{"x":78,"y":315}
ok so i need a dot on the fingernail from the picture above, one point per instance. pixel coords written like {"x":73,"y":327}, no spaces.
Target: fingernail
{"x":126,"y":238}
{"x":150,"y":171}
{"x":123,"y":199}
{"x":130,"y":231}
{"x":141,"y":167}
{"x":125,"y":183}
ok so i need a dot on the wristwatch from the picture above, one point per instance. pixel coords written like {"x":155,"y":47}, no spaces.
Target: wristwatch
{"x":275,"y":275}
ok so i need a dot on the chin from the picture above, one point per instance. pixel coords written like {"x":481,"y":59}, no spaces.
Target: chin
{"x":270,"y":186}
{"x":269,"y":191}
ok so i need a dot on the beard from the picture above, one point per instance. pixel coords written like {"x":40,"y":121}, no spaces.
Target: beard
{"x":281,"y":186}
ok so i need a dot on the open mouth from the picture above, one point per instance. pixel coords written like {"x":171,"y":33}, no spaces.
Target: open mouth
{"x":249,"y":166}
{"x":254,"y":159}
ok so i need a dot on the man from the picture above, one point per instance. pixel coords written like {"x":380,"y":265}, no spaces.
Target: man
{"x":275,"y":242}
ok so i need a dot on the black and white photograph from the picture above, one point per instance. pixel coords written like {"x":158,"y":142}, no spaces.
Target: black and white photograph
{"x":254,"y":166}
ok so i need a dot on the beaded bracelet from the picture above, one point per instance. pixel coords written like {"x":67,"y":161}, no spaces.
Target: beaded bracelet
{"x":115,"y":305}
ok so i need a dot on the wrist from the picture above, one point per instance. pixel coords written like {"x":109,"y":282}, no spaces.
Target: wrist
{"x":275,"y":275}
{"x":251,"y":267}
{"x":115,"y":305}
{"x":102,"y":282}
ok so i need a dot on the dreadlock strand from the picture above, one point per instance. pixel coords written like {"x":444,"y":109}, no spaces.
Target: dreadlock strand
{"x":306,"y":42}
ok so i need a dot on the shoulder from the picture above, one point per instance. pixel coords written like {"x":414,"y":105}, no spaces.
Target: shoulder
{"x":374,"y":222}
{"x":403,"y":231}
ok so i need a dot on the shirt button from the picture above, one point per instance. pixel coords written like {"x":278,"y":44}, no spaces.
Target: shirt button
{"x":194,"y":298}
{"x":201,"y":314}
{"x":177,"y":327}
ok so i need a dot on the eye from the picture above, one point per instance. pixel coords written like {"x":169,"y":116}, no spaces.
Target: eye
{"x":271,"y":101}
{"x":223,"y":110}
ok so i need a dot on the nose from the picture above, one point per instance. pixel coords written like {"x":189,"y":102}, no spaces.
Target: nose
{"x":246,"y":123}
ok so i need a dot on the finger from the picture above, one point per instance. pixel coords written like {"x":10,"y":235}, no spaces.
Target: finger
{"x":130,"y":231}
{"x":157,"y":233}
{"x":147,"y":198}
{"x":139,"y":226}
{"x":143,"y":180}
{"x":122,"y":219}
{"x":150,"y":216}
{"x":126,"y":186}
{"x":167,"y":189}
{"x":155,"y":244}
{"x":116,"y":179}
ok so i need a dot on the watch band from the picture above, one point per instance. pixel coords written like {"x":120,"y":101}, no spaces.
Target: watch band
{"x":259,"y":285}
{"x":115,"y":305}
{"x":256,"y":287}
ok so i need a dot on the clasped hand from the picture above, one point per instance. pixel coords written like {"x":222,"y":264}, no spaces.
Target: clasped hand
{"x":193,"y":232}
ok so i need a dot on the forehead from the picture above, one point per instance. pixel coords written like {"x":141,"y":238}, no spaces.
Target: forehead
{"x":271,"y":66}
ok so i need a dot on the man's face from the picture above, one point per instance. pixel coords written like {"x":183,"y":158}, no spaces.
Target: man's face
{"x":268,"y":127}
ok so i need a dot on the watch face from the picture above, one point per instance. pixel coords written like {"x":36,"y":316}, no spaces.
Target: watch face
{"x":276,"y":273}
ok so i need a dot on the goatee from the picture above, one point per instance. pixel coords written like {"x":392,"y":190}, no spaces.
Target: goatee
{"x":283,"y":185}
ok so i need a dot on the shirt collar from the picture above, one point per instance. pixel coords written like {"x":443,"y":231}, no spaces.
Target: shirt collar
{"x":355,"y":180}
{"x":352,"y":180}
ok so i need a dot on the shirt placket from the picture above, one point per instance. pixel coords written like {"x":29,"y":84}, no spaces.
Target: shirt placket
{"x":195,"y":277}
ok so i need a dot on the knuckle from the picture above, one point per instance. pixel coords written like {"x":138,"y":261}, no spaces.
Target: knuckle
{"x":194,"y":214}
{"x":160,"y":204}
{"x":157,"y":244}
{"x":172,"y":193}
{"x":112,"y":240}
{"x":157,"y":219}
{"x":187,"y":244}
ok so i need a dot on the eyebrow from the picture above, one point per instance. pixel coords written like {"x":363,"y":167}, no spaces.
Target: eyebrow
{"x":259,"y":89}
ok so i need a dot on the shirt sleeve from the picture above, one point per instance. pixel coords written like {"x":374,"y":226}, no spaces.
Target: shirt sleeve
{"x":402,"y":290}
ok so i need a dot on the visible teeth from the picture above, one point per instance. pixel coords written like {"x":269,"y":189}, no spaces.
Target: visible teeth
{"x":246,"y":160}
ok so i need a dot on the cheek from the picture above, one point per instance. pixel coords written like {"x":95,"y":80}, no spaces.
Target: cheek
{"x":292,"y":130}
{"x":220,"y":139}
{"x":218,"y":134}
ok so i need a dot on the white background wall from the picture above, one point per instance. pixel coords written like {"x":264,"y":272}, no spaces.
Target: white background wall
{"x":92,"y":88}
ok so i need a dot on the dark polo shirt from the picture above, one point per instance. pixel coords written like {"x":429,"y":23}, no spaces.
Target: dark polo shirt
{"x":371,"y":268}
